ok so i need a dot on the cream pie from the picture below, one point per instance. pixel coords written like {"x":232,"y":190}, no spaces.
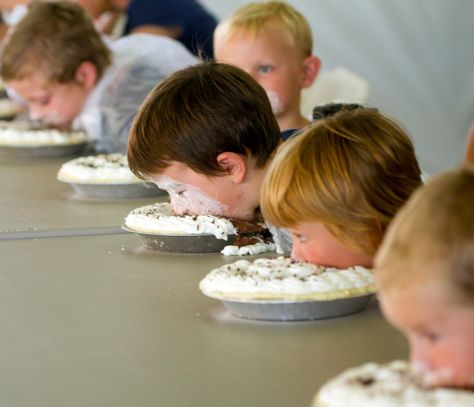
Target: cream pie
{"x":159,"y":219}
{"x":23,"y":134}
{"x":387,"y":385}
{"x":99,"y":169}
{"x":284,"y":279}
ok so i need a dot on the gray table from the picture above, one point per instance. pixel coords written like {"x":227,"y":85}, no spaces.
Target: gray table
{"x":34,"y":204}
{"x":99,"y":321}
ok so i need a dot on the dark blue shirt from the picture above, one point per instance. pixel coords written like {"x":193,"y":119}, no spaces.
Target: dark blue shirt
{"x":196,"y":23}
{"x":289,"y":133}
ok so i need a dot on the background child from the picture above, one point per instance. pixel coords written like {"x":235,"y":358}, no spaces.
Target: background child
{"x":56,"y":62}
{"x":425,"y":274}
{"x":337,"y":185}
{"x":187,"y":21}
{"x":206,"y":135}
{"x":272,"y":42}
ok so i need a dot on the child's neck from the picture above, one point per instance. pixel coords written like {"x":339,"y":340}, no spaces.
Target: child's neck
{"x":292,"y":121}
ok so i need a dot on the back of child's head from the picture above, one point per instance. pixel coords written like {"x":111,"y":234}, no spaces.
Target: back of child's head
{"x":198,"y":113}
{"x":432,"y":237}
{"x":254,"y":17}
{"x":350,"y":171}
{"x":53,"y":39}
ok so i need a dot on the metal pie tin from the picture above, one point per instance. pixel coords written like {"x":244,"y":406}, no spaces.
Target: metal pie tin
{"x":281,"y":310}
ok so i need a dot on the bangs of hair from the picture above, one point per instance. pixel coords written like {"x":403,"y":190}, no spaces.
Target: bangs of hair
{"x":254,"y":17}
{"x":351,"y":172}
{"x":198,"y":113}
{"x":53,"y":38}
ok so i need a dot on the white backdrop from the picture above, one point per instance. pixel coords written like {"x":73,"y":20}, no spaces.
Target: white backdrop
{"x":418,"y":56}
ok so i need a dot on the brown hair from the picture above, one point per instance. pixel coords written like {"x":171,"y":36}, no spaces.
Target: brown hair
{"x":198,"y":113}
{"x":351,"y":172}
{"x":54,"y":37}
{"x":433,"y":237}
{"x":253,"y":17}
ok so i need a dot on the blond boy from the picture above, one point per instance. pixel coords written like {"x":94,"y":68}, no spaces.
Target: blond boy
{"x":56,"y":63}
{"x":337,"y":186}
{"x":272,"y":42}
{"x":425,"y":274}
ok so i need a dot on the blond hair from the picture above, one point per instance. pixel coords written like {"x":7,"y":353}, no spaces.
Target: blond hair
{"x":433,"y":237}
{"x":254,"y":17}
{"x":54,"y":38}
{"x":351,"y":172}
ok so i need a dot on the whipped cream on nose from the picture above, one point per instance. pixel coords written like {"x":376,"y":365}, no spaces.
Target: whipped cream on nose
{"x":433,"y":377}
{"x":188,"y":199}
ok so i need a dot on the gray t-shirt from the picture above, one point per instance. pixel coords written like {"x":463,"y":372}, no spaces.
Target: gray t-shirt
{"x":140,"y":62}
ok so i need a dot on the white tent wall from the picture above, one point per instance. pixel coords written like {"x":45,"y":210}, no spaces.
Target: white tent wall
{"x":418,"y":56}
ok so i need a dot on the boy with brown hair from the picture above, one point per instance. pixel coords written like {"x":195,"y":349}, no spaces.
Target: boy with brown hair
{"x":57,"y":64}
{"x":425,"y":277}
{"x":206,"y":135}
{"x":273,"y":43}
{"x":337,"y":185}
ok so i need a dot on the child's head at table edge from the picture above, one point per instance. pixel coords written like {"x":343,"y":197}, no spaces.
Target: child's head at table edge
{"x":337,"y":185}
{"x":52,"y":59}
{"x":206,"y":134}
{"x":425,"y":275}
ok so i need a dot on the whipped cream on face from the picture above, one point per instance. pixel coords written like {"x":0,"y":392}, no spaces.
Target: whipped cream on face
{"x":160,"y":219}
{"x":275,"y":102}
{"x":99,"y":169}
{"x":283,"y":278}
{"x":248,"y":250}
{"x":187,"y":198}
{"x":24,"y":135}
{"x":389,"y":385}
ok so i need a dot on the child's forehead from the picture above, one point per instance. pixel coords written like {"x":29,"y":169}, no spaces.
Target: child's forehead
{"x":266,"y":42}
{"x":36,"y":78}
{"x":267,"y":30}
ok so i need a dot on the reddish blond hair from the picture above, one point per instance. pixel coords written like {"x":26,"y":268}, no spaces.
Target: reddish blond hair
{"x":351,"y":172}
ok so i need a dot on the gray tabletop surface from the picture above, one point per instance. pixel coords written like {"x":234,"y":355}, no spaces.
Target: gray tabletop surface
{"x":33,"y":203}
{"x":99,"y":321}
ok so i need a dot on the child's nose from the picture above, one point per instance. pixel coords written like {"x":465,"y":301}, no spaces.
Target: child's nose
{"x":420,"y":356}
{"x":296,"y":252}
{"x":36,"y":113}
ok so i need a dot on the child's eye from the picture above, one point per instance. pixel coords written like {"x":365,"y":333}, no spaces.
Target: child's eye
{"x":300,"y":238}
{"x":430,"y":336}
{"x":265,"y":68}
{"x":43,"y":101}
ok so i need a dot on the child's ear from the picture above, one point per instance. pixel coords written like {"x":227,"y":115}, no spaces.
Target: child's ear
{"x":234,"y":164}
{"x":311,"y":67}
{"x":86,"y":74}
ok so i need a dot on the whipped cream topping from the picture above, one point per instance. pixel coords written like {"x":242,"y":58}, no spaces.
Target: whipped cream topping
{"x":99,"y":169}
{"x":186,"y":198}
{"x":248,"y":250}
{"x":388,"y":385}
{"x":159,"y":219}
{"x":283,"y":278}
{"x":21,"y":135}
